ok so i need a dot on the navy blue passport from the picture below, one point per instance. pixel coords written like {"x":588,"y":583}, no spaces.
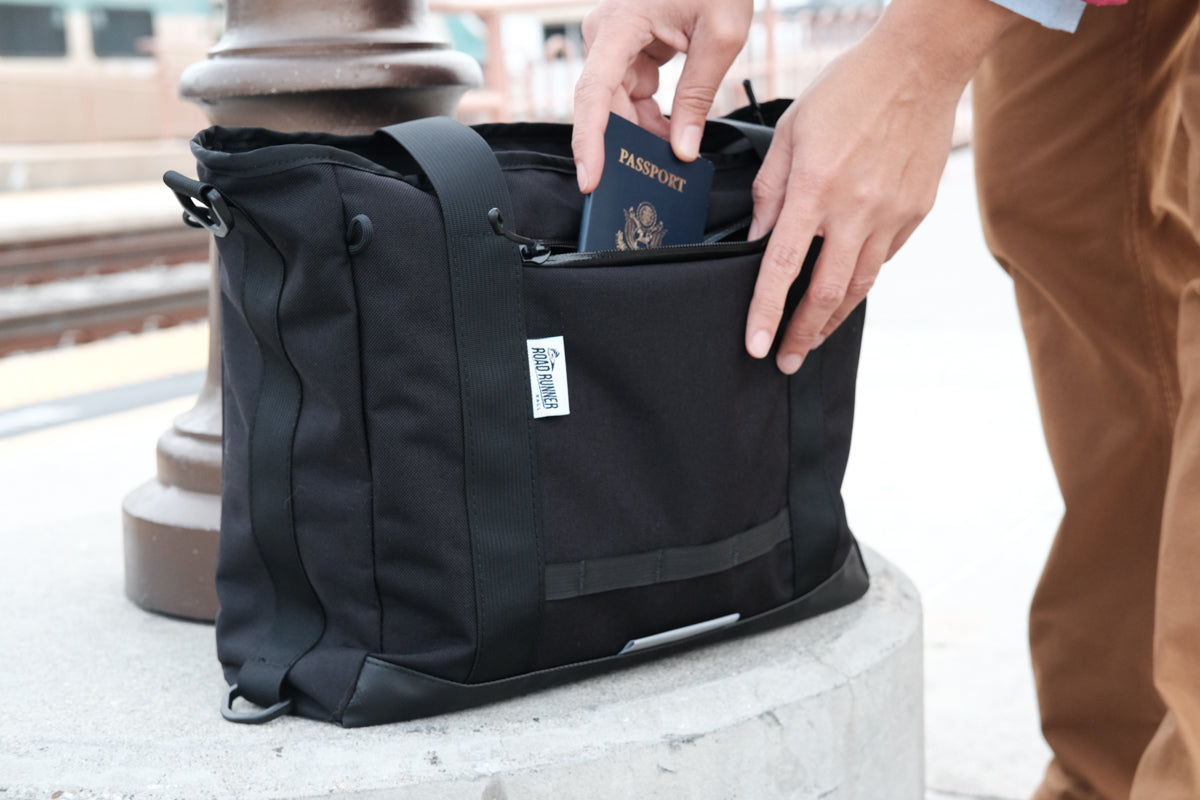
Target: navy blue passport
{"x":647,"y":197}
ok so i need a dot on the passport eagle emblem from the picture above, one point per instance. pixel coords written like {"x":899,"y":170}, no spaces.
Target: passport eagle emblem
{"x":643,"y":229}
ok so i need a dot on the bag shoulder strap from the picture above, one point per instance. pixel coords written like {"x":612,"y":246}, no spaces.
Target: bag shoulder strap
{"x":489,"y":328}
{"x":299,"y":620}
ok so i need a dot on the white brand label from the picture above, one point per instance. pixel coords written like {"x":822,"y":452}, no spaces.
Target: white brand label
{"x":548,"y":377}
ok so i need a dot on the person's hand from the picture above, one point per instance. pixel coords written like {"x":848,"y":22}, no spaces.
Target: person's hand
{"x":857,"y":160}
{"x":627,"y":42}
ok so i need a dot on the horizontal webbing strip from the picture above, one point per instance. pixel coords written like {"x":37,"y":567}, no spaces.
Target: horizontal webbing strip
{"x":578,"y":578}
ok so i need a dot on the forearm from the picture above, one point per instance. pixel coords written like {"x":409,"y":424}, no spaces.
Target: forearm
{"x":856,"y":160}
{"x":943,"y":40}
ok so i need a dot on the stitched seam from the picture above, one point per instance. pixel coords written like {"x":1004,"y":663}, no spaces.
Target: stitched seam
{"x":1137,"y":199}
{"x":833,"y":496}
{"x":472,"y":498}
{"x":366,"y":419}
{"x":531,"y":438}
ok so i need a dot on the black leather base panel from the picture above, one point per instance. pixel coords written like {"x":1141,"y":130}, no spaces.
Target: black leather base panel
{"x":388,"y":693}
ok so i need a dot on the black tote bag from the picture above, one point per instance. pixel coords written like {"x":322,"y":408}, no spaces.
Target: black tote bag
{"x":410,"y":523}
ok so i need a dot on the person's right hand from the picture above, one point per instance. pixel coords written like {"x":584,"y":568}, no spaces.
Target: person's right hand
{"x":856,"y":160}
{"x":627,"y":42}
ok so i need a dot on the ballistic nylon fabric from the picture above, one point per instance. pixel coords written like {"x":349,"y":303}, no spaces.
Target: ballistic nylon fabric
{"x":299,"y":619}
{"x":485,"y":272}
{"x":415,"y":425}
{"x":820,"y":534}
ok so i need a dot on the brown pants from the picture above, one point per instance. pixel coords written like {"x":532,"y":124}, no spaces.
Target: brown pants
{"x":1088,"y":159}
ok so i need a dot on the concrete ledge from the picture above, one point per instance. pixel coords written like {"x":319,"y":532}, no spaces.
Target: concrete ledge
{"x":58,"y":166}
{"x":87,"y":211}
{"x":114,"y":703}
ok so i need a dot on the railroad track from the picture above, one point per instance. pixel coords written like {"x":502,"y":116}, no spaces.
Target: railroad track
{"x":75,"y":289}
{"x":51,"y":259}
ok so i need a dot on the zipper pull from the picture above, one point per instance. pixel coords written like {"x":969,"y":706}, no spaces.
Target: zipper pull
{"x":754,"y":106}
{"x":531,"y":249}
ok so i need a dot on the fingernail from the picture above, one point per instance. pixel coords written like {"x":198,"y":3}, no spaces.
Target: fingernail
{"x":755,"y":230}
{"x":790,"y":364}
{"x":760,"y":344}
{"x":820,"y":341}
{"x":581,"y":175}
{"x":689,"y":142}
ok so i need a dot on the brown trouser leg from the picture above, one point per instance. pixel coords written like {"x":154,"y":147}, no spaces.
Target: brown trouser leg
{"x":1082,"y":163}
{"x":1169,"y":767}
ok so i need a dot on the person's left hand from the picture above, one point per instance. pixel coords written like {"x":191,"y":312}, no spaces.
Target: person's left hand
{"x":627,"y":42}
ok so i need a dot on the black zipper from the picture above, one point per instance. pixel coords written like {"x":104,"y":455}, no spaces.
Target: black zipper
{"x":657,"y":255}
{"x":556,"y":252}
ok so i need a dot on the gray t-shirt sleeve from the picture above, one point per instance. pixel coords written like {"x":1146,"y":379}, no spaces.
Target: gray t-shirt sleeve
{"x":1062,"y":15}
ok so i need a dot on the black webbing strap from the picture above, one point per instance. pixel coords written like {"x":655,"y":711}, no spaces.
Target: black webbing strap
{"x":580,"y":578}
{"x":812,"y":499}
{"x":759,"y":136}
{"x":299,"y":619}
{"x":489,"y":329}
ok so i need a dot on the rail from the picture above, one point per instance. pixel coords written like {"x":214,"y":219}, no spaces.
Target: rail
{"x":56,"y":258}
{"x":75,"y":289}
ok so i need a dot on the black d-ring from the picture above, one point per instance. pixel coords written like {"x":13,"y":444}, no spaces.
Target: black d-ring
{"x":213,"y":215}
{"x":257,"y":717}
{"x":359,"y":234}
